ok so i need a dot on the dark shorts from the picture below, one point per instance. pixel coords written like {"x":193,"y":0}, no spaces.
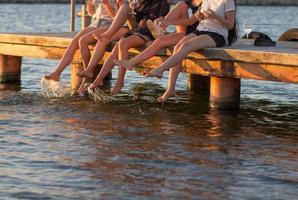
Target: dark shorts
{"x":192,"y":28}
{"x":218,"y":39}
{"x":144,"y":33}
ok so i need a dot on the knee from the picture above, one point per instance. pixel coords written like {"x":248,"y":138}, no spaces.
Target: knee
{"x":185,"y":46}
{"x":123,"y":44}
{"x":82,"y":42}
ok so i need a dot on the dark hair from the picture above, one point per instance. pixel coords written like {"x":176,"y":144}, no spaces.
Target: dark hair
{"x":232,"y":37}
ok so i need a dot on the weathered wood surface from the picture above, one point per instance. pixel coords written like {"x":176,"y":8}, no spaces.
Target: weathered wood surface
{"x":242,"y":60}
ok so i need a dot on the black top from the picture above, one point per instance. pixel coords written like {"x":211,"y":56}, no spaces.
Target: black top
{"x":152,"y":9}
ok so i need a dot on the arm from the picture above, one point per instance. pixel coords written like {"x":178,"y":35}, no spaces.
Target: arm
{"x":228,"y":21}
{"x":198,"y":16}
{"x":90,"y":8}
{"x":109,"y":7}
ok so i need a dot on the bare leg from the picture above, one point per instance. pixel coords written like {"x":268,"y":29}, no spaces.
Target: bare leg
{"x":106,"y":68}
{"x":85,"y":41}
{"x":68,"y":55}
{"x":190,"y":44}
{"x":123,"y":47}
{"x":180,"y":11}
{"x":98,"y":53}
{"x":153,"y":49}
{"x":118,"y":21}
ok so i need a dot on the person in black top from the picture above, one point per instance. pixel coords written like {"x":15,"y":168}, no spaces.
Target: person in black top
{"x":180,"y":11}
{"x":138,"y":36}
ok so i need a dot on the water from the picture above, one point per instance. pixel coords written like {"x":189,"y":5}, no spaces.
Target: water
{"x":131,"y":147}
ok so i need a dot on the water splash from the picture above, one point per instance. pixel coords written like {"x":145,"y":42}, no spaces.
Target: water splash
{"x":98,"y":95}
{"x":51,"y":88}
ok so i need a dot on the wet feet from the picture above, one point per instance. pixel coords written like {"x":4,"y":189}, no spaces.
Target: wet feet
{"x":53,"y":77}
{"x":95,"y":85}
{"x":117,"y":87}
{"x":165,"y":96}
{"x":85,"y":74}
{"x":153,"y":73}
{"x":124,"y":63}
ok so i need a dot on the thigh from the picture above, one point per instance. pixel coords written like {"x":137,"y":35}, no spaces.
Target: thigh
{"x":132,"y":41}
{"x":84,"y":32}
{"x":122,"y":31}
{"x":170,"y":39}
{"x":88,"y":37}
{"x":199,"y":42}
{"x":185,"y":39}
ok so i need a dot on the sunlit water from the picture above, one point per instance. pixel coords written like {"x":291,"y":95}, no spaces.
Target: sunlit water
{"x":131,"y":147}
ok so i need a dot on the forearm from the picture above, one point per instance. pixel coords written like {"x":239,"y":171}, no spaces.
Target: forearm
{"x":110,"y":9}
{"x":90,"y":8}
{"x":183,"y":22}
{"x":228,"y":21}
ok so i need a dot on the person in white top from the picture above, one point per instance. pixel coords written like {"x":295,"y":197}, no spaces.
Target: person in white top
{"x":217,"y":28}
{"x":103,"y":12}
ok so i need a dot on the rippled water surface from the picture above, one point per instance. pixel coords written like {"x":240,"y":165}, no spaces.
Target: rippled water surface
{"x":130,"y":147}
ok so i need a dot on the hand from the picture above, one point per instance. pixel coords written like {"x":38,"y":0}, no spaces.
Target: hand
{"x":120,"y":2}
{"x":199,"y":16}
{"x":159,"y":20}
{"x":90,"y":8}
{"x":164,"y":24}
{"x":209,"y":14}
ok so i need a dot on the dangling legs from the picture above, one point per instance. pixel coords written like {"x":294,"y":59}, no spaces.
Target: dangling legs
{"x":123,"y":47}
{"x":84,"y":44}
{"x":190,"y":43}
{"x":68,"y":55}
{"x":186,"y":46}
{"x":153,"y":49}
{"x":180,"y":11}
{"x":118,"y":21}
{"x":98,"y":53}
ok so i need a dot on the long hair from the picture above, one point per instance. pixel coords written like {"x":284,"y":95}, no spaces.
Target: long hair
{"x":233,"y":36}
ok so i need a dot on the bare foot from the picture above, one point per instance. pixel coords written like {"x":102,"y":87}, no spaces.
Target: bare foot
{"x":53,"y":76}
{"x":83,"y":89}
{"x":165,"y":96}
{"x":85,"y":74}
{"x":117,"y":87}
{"x":95,"y":85}
{"x":124,"y":63}
{"x":153,"y":73}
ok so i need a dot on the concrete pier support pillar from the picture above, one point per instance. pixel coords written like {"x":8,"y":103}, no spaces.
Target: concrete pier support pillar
{"x":225,"y":93}
{"x":10,"y":69}
{"x":76,"y":80}
{"x":198,"y":83}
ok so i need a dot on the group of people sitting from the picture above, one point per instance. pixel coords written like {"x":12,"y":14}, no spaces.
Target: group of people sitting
{"x":212,"y":24}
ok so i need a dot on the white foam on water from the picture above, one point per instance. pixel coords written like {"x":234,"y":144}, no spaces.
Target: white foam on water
{"x":98,"y":95}
{"x":51,"y":88}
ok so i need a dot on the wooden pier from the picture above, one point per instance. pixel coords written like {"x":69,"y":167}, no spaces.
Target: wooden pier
{"x":225,"y":66}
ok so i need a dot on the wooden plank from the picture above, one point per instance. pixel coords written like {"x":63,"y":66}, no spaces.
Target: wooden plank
{"x":284,"y":53}
{"x":34,"y":51}
{"x":38,"y":39}
{"x":278,"y":63}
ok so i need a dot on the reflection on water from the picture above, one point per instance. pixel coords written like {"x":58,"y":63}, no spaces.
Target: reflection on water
{"x":131,"y":147}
